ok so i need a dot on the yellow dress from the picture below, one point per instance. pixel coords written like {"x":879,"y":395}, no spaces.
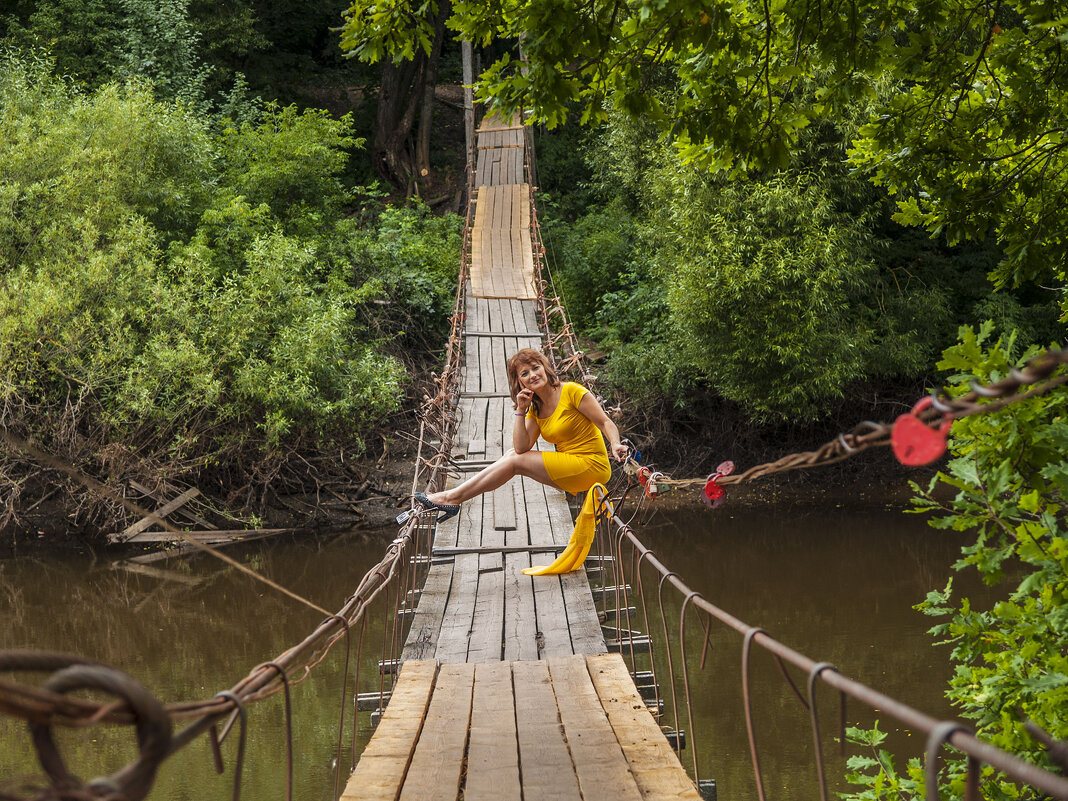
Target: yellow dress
{"x":580,"y":463}
{"x":581,"y":458}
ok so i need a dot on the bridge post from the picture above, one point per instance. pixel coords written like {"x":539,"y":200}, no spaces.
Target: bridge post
{"x":469,"y":106}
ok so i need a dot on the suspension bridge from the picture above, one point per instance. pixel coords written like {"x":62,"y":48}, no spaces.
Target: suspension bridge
{"x":494,"y":684}
{"x":507,"y":689}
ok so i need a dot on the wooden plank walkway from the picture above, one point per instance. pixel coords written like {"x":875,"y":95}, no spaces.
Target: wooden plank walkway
{"x":505,"y":688}
{"x":571,"y":727}
{"x":502,"y":258}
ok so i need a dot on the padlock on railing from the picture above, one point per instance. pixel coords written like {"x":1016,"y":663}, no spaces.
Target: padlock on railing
{"x":643,"y":475}
{"x":913,"y":441}
{"x":714,"y":494}
{"x":651,"y":488}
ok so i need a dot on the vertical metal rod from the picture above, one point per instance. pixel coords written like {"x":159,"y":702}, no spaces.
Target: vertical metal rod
{"x":747,"y":646}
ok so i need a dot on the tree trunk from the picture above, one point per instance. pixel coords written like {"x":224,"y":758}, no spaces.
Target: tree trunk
{"x":426,"y":117}
{"x":398,"y":101}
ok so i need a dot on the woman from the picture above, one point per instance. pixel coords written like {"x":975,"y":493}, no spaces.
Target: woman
{"x":569,"y":417}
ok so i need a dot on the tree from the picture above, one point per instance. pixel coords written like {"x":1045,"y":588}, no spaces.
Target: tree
{"x":969,"y":100}
{"x":409,"y":76}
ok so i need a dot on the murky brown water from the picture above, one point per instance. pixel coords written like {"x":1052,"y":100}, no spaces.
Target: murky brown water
{"x":834,"y":584}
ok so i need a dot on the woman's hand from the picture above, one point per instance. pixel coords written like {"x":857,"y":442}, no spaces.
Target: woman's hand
{"x":620,"y":451}
{"x":523,"y":400}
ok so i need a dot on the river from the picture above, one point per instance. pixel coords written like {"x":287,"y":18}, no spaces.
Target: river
{"x":836,"y":584}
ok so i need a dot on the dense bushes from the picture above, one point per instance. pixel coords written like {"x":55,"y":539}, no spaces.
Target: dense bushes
{"x":177,"y":293}
{"x":781,"y":292}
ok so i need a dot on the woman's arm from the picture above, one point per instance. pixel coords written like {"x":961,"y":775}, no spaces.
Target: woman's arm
{"x":524,"y":431}
{"x":596,"y":415}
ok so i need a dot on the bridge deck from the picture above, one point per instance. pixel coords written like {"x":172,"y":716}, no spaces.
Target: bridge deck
{"x":505,"y":689}
{"x":571,"y":727}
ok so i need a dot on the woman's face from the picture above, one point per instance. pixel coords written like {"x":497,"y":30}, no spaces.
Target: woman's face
{"x":531,"y":376}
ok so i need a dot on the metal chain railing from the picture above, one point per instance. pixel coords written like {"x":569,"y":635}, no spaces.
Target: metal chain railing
{"x":934,"y":413}
{"x":633,"y":570}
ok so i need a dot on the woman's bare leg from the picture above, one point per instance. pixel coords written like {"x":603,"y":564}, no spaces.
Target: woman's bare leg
{"x":511,"y":464}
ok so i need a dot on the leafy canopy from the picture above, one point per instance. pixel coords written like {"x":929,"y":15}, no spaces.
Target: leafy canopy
{"x":968,"y":98}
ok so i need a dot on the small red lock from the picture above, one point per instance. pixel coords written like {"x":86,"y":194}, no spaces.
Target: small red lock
{"x":916,"y":443}
{"x":714,"y":494}
{"x":643,"y":475}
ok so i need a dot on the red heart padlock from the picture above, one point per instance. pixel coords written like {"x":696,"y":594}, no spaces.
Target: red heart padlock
{"x":914,"y":442}
{"x":713,"y":495}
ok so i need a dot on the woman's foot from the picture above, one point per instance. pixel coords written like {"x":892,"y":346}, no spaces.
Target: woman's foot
{"x":445,"y":510}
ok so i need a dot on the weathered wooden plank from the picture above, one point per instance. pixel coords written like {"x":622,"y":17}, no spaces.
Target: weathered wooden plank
{"x":530,"y":315}
{"x":212,"y":535}
{"x":487,"y":625}
{"x":554,"y":637}
{"x":547,"y":770}
{"x":495,"y":168}
{"x":422,"y":640}
{"x":485,"y":366}
{"x":520,"y":618}
{"x":500,"y":363}
{"x":518,"y":159}
{"x":130,"y":533}
{"x":505,"y":333}
{"x":587,"y":636}
{"x":653,"y":763}
{"x":465,"y":409}
{"x":380,"y":772}
{"x":477,"y":429}
{"x":469,"y":534}
{"x":455,"y":627}
{"x":493,"y":748}
{"x":505,"y":324}
{"x":495,"y":433}
{"x":455,"y":632}
{"x":602,"y":769}
{"x":583,"y":625}
{"x":184,"y":512}
{"x":504,"y":512}
{"x":438,"y":760}
{"x":501,"y":549}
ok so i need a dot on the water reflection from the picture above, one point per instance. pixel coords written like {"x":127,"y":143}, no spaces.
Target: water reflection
{"x":836,"y":585}
{"x":188,"y":636}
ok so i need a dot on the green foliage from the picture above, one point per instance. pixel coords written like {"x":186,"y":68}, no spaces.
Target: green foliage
{"x":159,"y":44}
{"x":1011,"y":486}
{"x":967,"y":100}
{"x":190,"y":298}
{"x":412,"y":256}
{"x":877,"y":773}
{"x":98,"y":42}
{"x":293,"y":162}
{"x":83,"y":36}
{"x":763,"y":282}
{"x":77,"y":166}
{"x":778,"y":291}
{"x":374,"y":30}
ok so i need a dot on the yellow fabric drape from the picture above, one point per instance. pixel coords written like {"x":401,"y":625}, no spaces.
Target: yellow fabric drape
{"x":581,"y":538}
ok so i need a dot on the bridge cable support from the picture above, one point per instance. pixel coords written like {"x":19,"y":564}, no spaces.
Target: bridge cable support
{"x":921,"y":432}
{"x":216,"y":739}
